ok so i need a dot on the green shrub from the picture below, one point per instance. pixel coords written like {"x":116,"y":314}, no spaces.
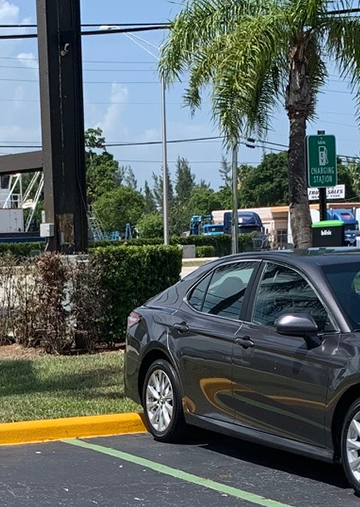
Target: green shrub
{"x":144,"y":241}
{"x":132,"y":242}
{"x":205,"y":251}
{"x":21,"y":249}
{"x":221,"y":243}
{"x":130,"y":276}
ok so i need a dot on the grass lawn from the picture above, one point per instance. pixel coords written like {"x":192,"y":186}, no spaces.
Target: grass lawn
{"x":47,"y":387}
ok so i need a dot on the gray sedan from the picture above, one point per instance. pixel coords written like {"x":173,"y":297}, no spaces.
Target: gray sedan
{"x":264,"y":346}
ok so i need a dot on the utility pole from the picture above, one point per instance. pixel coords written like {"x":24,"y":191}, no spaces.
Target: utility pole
{"x":234,"y":221}
{"x":62,"y":118}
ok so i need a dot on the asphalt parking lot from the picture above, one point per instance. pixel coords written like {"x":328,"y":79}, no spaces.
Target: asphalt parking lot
{"x":134,"y":470}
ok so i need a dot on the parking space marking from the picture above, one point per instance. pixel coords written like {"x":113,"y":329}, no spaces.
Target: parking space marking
{"x":178,"y":474}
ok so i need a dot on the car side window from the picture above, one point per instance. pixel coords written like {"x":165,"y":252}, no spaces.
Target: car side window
{"x":283,"y":290}
{"x":196,"y":299}
{"x":222,"y":293}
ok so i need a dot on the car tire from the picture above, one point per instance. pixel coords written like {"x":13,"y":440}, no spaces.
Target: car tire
{"x":161,"y":400}
{"x":350,"y":445}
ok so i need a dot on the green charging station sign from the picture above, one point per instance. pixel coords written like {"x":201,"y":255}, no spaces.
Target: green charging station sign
{"x":321,"y":161}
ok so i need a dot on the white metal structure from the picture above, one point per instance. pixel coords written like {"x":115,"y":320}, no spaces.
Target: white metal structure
{"x":13,"y":201}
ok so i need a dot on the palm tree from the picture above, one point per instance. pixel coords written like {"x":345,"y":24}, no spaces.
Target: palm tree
{"x":256,"y":54}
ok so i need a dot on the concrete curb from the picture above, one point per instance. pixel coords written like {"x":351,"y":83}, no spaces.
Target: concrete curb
{"x":73,"y":427}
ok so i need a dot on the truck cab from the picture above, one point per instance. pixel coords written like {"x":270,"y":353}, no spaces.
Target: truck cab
{"x":198,"y":222}
{"x":213,"y":229}
{"x":248,"y":221}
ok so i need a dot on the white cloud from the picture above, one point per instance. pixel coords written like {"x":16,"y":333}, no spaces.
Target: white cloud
{"x":18,"y":133}
{"x":8,"y":12}
{"x":29,"y":60}
{"x":111,"y":122}
{"x":19,"y":97}
{"x":152,"y":135}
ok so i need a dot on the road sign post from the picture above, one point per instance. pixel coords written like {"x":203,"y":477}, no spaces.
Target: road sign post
{"x":321,"y":165}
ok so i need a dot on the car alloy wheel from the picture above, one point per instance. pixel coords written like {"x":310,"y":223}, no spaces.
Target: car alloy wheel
{"x":350,"y":445}
{"x":159,"y":400}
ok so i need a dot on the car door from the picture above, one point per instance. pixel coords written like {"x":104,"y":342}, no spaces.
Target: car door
{"x":202,"y":337}
{"x":280,"y":384}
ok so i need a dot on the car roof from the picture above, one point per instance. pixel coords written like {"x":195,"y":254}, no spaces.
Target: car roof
{"x":305,"y":259}
{"x":320,"y":256}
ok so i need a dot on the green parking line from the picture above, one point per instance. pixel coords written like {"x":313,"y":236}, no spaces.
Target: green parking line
{"x":179,"y":474}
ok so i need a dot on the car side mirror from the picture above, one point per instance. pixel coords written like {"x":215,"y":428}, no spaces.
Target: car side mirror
{"x":299,"y":324}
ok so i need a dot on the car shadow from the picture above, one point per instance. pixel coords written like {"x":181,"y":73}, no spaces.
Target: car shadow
{"x":268,"y":457}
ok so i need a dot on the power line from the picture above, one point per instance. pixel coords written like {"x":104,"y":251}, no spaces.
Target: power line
{"x":174,"y":161}
{"x":90,"y":103}
{"x":86,"y":82}
{"x":88,"y":25}
{"x":133,"y":82}
{"x":343,"y":11}
{"x":22,"y":67}
{"x":84,"y":61}
{"x":259,"y":143}
{"x":94,"y":32}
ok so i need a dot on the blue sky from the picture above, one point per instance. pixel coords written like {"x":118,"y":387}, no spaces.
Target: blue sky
{"x":122,"y":95}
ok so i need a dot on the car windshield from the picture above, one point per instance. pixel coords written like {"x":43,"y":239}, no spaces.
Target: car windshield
{"x":213,"y":228}
{"x":245,"y":229}
{"x":344,"y":280}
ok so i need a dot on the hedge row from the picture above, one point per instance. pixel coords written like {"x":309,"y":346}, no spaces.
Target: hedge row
{"x":205,"y":251}
{"x":62,"y":303}
{"x":130,"y":276}
{"x":220,"y":245}
{"x":21,"y":249}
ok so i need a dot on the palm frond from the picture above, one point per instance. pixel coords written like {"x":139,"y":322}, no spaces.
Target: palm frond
{"x":239,"y":66}
{"x":343,"y":44}
{"x":201,"y":22}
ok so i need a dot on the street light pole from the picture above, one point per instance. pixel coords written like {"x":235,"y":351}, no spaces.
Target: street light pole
{"x":165,"y":166}
{"x":234,"y":222}
{"x":135,"y":39}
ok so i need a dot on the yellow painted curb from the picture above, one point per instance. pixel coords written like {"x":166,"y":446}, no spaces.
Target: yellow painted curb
{"x":72,"y":427}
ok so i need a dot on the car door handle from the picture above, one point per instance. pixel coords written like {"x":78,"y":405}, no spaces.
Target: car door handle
{"x":182,"y":327}
{"x":244,"y":341}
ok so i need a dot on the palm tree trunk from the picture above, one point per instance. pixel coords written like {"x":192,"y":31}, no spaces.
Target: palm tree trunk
{"x":298,"y":102}
{"x":299,"y":204}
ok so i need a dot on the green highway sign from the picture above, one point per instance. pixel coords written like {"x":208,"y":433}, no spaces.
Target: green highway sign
{"x":321,"y":161}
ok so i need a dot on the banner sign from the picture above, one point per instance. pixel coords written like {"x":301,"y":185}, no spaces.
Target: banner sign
{"x":337,"y":192}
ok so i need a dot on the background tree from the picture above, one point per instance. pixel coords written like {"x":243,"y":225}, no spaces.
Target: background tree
{"x":266,"y":184}
{"x":129,"y":178}
{"x":255,"y":54}
{"x":349,"y":174}
{"x":151,"y":226}
{"x":150,"y":206}
{"x":224,"y":196}
{"x":102,"y":173}
{"x":158,"y":191}
{"x":184,"y":180}
{"x":102,"y":170}
{"x":203,"y":201}
{"x":225,"y":173}
{"x":94,"y":140}
{"x":118,"y":207}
